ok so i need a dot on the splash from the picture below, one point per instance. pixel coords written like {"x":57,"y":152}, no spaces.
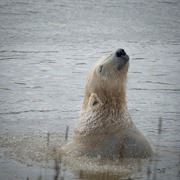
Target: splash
{"x":85,"y":167}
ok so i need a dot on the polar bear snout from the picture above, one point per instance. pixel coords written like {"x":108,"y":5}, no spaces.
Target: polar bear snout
{"x":121,"y":58}
{"x":120,"y":52}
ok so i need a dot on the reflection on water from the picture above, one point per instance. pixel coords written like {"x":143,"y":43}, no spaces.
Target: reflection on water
{"x":47,"y":49}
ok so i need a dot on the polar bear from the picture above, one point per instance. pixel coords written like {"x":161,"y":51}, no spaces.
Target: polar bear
{"x":104,"y":127}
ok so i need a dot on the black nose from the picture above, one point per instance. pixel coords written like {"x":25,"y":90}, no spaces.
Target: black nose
{"x":120,"y":52}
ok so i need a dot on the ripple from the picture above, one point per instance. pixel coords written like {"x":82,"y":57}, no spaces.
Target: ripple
{"x":20,"y":112}
{"x":20,"y":83}
{"x":7,"y":89}
{"x":153,"y":82}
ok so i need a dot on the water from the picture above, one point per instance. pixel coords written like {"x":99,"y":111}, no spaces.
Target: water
{"x":47,"y":48}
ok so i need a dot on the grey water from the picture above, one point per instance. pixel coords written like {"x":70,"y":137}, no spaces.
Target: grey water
{"x":47,"y":48}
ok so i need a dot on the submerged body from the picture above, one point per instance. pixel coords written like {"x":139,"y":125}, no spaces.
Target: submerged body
{"x":104,"y":127}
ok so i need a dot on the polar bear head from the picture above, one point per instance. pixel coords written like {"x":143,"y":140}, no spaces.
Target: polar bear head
{"x":106,"y":82}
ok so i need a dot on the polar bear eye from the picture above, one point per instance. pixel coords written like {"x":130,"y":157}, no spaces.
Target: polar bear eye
{"x":100,"y":69}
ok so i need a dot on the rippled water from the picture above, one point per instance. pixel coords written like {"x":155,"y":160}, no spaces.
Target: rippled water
{"x":47,"y":48}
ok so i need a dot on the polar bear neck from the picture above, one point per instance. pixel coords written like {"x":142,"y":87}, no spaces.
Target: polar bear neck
{"x":102,"y":121}
{"x":113,"y":114}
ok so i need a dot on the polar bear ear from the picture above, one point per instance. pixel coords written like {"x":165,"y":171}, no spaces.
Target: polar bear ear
{"x":94,"y":102}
